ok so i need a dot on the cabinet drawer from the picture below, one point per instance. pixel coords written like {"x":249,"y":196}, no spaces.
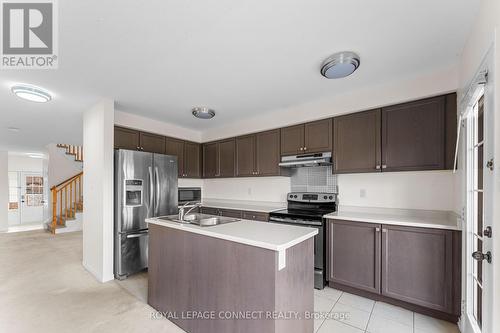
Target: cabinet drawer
{"x":255,"y":216}
{"x":210,"y":210}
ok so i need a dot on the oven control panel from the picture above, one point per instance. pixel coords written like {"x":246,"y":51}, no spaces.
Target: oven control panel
{"x":312,"y":197}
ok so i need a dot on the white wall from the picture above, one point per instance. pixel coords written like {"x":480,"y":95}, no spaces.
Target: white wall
{"x":432,"y":190}
{"x":4,"y":191}
{"x":98,"y":223}
{"x":156,"y":126}
{"x":61,"y":166}
{"x":25,"y":163}
{"x":386,"y":93}
{"x":272,"y":189}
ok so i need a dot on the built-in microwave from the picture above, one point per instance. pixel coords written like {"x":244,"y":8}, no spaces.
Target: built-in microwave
{"x":189,"y":194}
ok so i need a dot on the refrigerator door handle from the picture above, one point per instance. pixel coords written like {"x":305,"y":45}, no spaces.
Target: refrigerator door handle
{"x":137,"y":235}
{"x":157,"y":181}
{"x":151,"y":197}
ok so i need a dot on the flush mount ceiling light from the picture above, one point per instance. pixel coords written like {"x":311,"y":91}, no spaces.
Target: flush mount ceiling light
{"x":340,"y":65}
{"x":31,"y":93}
{"x":203,"y":112}
{"x":13,"y":129}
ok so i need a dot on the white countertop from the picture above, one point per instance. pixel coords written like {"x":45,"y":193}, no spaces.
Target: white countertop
{"x":405,"y":217}
{"x":255,"y":206}
{"x":270,"y":236}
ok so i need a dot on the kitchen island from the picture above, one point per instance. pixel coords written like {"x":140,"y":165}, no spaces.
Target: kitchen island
{"x":244,"y":276}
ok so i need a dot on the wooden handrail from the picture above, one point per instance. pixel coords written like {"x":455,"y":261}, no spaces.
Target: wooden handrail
{"x":68,"y":201}
{"x":67,"y":180}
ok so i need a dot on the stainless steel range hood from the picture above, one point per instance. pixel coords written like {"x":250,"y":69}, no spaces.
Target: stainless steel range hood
{"x":306,"y":160}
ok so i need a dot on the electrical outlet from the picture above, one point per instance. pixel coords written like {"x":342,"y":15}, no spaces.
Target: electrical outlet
{"x":362,"y":193}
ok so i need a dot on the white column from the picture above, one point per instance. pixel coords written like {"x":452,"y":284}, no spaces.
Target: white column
{"x":98,"y":125}
{"x":4,"y":191}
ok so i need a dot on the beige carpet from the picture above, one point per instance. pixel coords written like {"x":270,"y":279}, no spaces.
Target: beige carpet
{"x":44,"y":288}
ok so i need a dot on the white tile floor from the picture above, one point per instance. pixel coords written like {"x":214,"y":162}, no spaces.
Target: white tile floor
{"x":342,"y":312}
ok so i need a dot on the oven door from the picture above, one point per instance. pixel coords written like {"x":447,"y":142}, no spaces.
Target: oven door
{"x":319,"y":246}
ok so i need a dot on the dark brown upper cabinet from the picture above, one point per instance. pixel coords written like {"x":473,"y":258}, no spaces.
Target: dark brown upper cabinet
{"x":292,"y":140}
{"x":188,"y":157}
{"x":192,"y":160}
{"x":126,"y":138}
{"x":152,"y":143}
{"x":413,"y":135}
{"x":258,"y":154}
{"x":218,"y":159}
{"x":176,"y":148}
{"x":318,"y":136}
{"x":356,"y":143}
{"x":245,"y":156}
{"x":313,"y":137}
{"x":354,"y":254}
{"x":268,"y":153}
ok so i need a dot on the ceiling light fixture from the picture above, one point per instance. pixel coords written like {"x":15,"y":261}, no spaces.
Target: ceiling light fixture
{"x":31,"y":93}
{"x":203,"y":112}
{"x":36,"y":155}
{"x":340,"y":65}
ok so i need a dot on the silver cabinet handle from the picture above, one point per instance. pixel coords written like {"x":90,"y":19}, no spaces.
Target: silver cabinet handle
{"x":384,"y":166}
{"x":305,"y":148}
{"x":301,"y":148}
{"x":138,"y":235}
{"x":377,"y":167}
{"x":384,"y":230}
{"x":138,"y":148}
{"x":377,"y":229}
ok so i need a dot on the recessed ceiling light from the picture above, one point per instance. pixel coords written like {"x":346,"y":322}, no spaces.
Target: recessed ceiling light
{"x":31,"y":93}
{"x":13,"y":129}
{"x":203,"y":112}
{"x":340,"y":65}
{"x":35,"y":155}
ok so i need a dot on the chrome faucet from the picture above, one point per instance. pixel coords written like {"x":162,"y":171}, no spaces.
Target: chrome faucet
{"x":187,"y":205}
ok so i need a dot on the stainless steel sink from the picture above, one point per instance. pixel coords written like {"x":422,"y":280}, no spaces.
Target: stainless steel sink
{"x":203,"y":220}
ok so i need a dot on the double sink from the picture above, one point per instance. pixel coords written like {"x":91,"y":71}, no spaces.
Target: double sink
{"x":203,"y":220}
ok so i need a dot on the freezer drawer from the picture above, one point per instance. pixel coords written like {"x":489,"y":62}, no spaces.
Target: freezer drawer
{"x":131,"y":253}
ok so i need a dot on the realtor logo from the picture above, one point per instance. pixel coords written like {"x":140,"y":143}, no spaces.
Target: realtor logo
{"x":29,"y":34}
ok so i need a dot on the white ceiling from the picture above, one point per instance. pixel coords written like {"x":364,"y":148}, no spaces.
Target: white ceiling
{"x":159,"y":58}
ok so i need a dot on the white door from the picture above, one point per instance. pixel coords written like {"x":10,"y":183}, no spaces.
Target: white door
{"x":14,"y":198}
{"x":479,"y":272}
{"x":32,"y":197}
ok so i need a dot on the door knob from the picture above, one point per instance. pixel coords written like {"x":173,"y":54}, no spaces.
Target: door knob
{"x":480,"y":256}
{"x":487,"y":232}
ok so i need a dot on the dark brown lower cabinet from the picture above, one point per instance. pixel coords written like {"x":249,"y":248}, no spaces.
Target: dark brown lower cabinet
{"x":255,"y":216}
{"x":240,"y":214}
{"x":416,"y":268}
{"x":355,"y":254}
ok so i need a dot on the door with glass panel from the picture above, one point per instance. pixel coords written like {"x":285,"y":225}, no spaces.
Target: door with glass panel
{"x":479,"y":211}
{"x":32,"y":197}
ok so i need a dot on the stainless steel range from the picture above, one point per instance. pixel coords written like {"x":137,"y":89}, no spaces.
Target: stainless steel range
{"x":307,"y":209}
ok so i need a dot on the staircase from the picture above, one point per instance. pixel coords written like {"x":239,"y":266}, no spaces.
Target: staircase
{"x":67,"y":205}
{"x":76,"y":151}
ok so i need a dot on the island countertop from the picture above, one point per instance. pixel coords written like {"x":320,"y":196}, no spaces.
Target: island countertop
{"x":271,"y":236}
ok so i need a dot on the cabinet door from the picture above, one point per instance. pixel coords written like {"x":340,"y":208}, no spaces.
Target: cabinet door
{"x":255,"y":216}
{"x":226,"y":158}
{"x":230,"y":213}
{"x":417,"y":266}
{"x":245,"y":156}
{"x":354,"y":254}
{"x":292,"y":140}
{"x":356,"y":143}
{"x":126,"y":138}
{"x":152,"y":143}
{"x":413,"y":135}
{"x":318,"y":136}
{"x":210,"y":210}
{"x":210,"y":160}
{"x":176,"y":148}
{"x":192,"y":160}
{"x":268,"y":153}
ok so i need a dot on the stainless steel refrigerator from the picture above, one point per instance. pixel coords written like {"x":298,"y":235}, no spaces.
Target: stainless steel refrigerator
{"x":145,"y":186}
